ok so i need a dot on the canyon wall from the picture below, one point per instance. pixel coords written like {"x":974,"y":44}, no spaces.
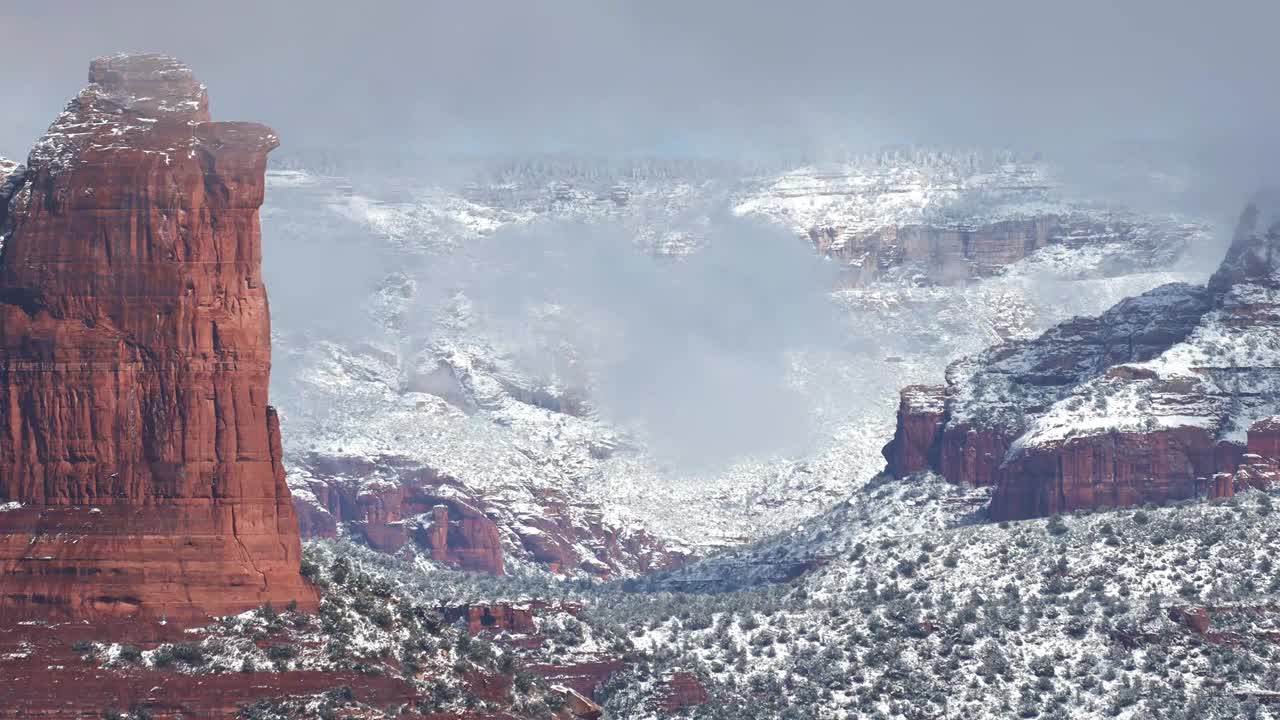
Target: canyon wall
{"x":1167,"y":396}
{"x":956,"y":252}
{"x":401,"y":508}
{"x":948,"y":254}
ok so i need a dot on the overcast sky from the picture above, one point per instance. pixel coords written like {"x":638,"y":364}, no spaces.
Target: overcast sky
{"x":1085,"y":81}
{"x":705,"y":75}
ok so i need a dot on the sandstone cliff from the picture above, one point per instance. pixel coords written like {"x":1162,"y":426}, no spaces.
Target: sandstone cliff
{"x":1149,"y":402}
{"x":140,"y":464}
{"x":945,"y":253}
{"x":397,"y":506}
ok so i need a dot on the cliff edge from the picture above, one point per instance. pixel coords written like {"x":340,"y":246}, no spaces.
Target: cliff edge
{"x":1167,"y":396}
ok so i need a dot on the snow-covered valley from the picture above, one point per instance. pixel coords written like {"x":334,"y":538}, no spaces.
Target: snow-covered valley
{"x":519,"y":400}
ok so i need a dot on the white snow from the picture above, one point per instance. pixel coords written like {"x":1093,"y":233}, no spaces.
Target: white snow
{"x":472,"y":420}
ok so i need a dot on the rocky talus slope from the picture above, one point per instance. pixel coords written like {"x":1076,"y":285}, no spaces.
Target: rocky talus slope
{"x":1164,"y":397}
{"x":141,"y":466}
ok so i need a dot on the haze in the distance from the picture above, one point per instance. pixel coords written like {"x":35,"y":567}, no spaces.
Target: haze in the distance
{"x":699,"y":351}
{"x":716,"y":76}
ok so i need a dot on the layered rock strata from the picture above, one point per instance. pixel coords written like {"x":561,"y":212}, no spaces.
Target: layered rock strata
{"x":956,"y":253}
{"x":399,"y":508}
{"x":140,"y":463}
{"x":948,"y":254}
{"x":1155,"y":400}
{"x":921,"y":417}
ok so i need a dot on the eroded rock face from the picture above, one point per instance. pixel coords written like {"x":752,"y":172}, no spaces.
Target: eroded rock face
{"x":1258,"y":467}
{"x":1117,"y":469}
{"x":1165,"y":397}
{"x":681,"y":690}
{"x":397,"y":507}
{"x":579,"y":707}
{"x":390,"y":517}
{"x":497,"y":617}
{"x":961,"y":251}
{"x":1263,"y":439}
{"x":921,"y":418}
{"x":1233,"y":623}
{"x":507,"y":617}
{"x":948,"y":254}
{"x":139,"y":459}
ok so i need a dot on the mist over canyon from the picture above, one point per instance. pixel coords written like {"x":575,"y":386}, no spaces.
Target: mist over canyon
{"x":640,"y":361}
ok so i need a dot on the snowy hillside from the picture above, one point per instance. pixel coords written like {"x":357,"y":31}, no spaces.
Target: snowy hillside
{"x":914,"y":607}
{"x":418,"y":373}
{"x":918,"y":612}
{"x":899,"y":189}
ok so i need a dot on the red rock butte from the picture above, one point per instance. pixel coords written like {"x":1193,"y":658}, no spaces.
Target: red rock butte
{"x":140,"y":464}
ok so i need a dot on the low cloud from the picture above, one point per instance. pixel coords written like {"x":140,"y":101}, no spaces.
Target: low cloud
{"x":693,"y":353}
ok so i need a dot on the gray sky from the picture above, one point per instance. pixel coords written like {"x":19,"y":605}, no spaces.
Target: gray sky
{"x":712,"y":75}
{"x":1082,"y":80}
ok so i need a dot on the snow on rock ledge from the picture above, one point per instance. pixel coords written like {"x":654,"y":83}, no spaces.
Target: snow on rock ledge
{"x":1146,"y":403}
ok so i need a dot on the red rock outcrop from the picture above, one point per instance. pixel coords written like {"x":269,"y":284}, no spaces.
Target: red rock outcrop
{"x":517,"y":618}
{"x":1146,"y":403}
{"x":1115,"y":469}
{"x":1229,"y":624}
{"x":495,"y":617}
{"x":140,"y":463}
{"x":1195,"y":618}
{"x":1258,"y":467}
{"x":470,"y":541}
{"x":56,"y":671}
{"x":1264,"y":438}
{"x":971,"y":454}
{"x":988,"y":397}
{"x":1131,"y":468}
{"x":584,"y":675}
{"x":451,"y":530}
{"x":514,"y":625}
{"x":577,"y":706}
{"x":1222,"y":485}
{"x":442,"y":517}
{"x":679,"y":691}
{"x":921,"y":417}
{"x":429,"y":514}
{"x":1256,"y":472}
